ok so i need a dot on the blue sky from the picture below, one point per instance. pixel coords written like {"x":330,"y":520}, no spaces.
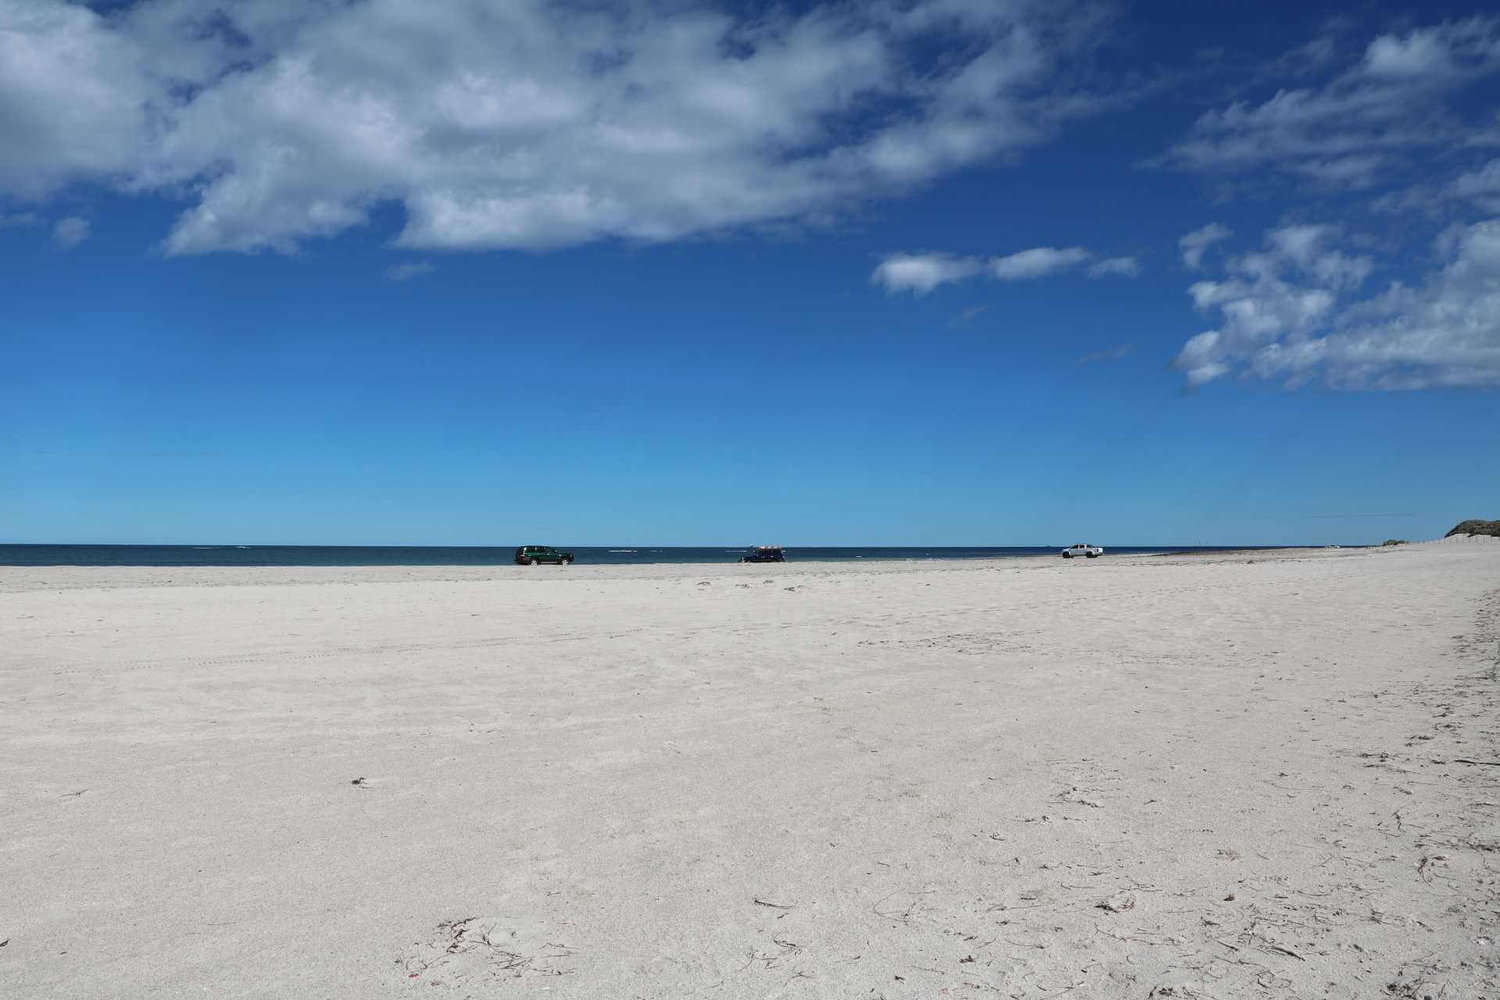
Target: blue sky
{"x":931,"y":272}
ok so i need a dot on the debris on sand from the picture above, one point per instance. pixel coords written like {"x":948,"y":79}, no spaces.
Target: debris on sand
{"x":1118,"y":903}
{"x":774,"y":906}
{"x":472,"y":950}
{"x":1073,"y":795}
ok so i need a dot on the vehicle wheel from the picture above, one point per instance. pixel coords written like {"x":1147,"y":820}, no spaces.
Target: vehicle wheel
{"x":1093,"y":555}
{"x":1067,"y":555}
{"x":533,"y":562}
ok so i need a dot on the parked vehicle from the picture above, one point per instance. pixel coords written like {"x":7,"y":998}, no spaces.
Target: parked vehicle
{"x":531,"y":555}
{"x":1082,"y":549}
{"x":763,"y":554}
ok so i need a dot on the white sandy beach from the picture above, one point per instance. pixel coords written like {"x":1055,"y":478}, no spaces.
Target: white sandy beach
{"x":1242,"y":775}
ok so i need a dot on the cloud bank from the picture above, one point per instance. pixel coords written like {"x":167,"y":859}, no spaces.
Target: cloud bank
{"x":519,"y":123}
{"x":1291,"y":311}
{"x":1400,"y":113}
{"x":1401,"y":95}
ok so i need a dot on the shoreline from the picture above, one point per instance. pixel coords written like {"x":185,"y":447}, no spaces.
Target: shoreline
{"x":16,"y":579}
{"x":497,"y":556}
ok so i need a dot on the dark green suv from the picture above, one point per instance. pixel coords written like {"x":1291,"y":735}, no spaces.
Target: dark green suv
{"x":530,"y":555}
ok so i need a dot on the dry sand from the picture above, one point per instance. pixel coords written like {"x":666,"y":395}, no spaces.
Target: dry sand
{"x":1241,"y":775}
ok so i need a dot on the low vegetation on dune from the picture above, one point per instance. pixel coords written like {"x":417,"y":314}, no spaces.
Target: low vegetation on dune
{"x":1476,"y":528}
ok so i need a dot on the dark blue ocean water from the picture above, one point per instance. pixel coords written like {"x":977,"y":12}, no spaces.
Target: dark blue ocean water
{"x":400,"y":555}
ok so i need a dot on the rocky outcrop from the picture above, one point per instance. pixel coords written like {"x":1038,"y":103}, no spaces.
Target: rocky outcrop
{"x":1476,"y":528}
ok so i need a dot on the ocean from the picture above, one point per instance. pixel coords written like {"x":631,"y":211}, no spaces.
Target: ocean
{"x":485,"y":555}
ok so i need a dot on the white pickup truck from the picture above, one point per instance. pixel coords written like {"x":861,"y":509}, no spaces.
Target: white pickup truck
{"x":1082,"y":549}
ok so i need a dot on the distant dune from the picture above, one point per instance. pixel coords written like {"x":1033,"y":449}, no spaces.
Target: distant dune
{"x":1491,"y":528}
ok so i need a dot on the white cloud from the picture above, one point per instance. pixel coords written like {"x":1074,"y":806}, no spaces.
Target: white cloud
{"x":1036,"y":263}
{"x":1398,"y":97}
{"x":1196,"y":243}
{"x":70,"y":232}
{"x":920,"y":273}
{"x":1481,"y":186}
{"x":522,"y":123}
{"x":73,"y":97}
{"x":1116,"y":267}
{"x":1283,"y":314}
{"x":409,"y":270}
{"x":1306,"y":247}
{"x":1478,"y":188}
{"x":19,"y":220}
{"x":1428,"y":53}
